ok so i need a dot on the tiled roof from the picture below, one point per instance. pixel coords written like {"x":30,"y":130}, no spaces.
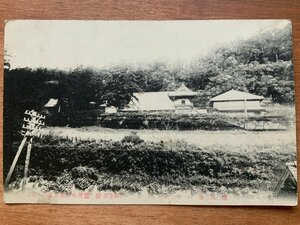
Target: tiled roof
{"x":182,"y":91}
{"x":236,"y":95}
{"x":150,"y":101}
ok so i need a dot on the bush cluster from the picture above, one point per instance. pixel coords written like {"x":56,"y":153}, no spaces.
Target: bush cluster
{"x":140,"y":164}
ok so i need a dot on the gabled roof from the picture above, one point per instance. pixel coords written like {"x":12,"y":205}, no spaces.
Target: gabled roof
{"x":51,"y":103}
{"x":182,"y":91}
{"x":234,"y":95}
{"x":150,"y":101}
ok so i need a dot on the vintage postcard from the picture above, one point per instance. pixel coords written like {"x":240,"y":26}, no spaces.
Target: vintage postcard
{"x":149,"y":112}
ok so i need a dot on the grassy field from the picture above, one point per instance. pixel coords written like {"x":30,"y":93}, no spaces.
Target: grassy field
{"x":197,"y":137}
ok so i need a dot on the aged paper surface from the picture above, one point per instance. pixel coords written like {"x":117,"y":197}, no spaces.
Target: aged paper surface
{"x":149,"y":112}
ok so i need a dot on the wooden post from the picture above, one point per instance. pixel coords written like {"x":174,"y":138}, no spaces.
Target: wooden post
{"x":27,"y":160}
{"x":246,"y":113}
{"x":12,"y":168}
{"x":245,"y":108}
{"x":31,"y":128}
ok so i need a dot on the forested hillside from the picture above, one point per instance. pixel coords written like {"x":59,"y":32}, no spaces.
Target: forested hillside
{"x":260,"y":65}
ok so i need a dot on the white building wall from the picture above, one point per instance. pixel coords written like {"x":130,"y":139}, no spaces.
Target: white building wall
{"x":237,"y":105}
{"x":183,"y":103}
{"x":110,"y":109}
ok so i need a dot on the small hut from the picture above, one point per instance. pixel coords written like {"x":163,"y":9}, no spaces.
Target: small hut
{"x":52,"y":106}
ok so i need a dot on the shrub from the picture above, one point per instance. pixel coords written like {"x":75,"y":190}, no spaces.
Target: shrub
{"x":84,"y":172}
{"x":132,"y":138}
{"x":62,"y":183}
{"x":83,"y":183}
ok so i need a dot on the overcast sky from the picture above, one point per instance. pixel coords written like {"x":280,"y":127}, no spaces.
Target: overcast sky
{"x":68,"y":44}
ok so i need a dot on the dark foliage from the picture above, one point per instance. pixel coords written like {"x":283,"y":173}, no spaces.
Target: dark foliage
{"x":116,"y":165}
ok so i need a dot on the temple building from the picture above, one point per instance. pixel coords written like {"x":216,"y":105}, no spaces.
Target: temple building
{"x":175,"y":101}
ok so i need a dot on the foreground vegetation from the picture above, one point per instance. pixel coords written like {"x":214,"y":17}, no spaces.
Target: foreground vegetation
{"x":133,"y":165}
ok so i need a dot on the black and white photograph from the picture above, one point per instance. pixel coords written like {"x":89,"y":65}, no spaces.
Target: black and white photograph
{"x":179,"y":112}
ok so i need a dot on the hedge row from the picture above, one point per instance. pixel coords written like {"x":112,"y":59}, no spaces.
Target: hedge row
{"x":177,"y":164}
{"x":162,"y":121}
